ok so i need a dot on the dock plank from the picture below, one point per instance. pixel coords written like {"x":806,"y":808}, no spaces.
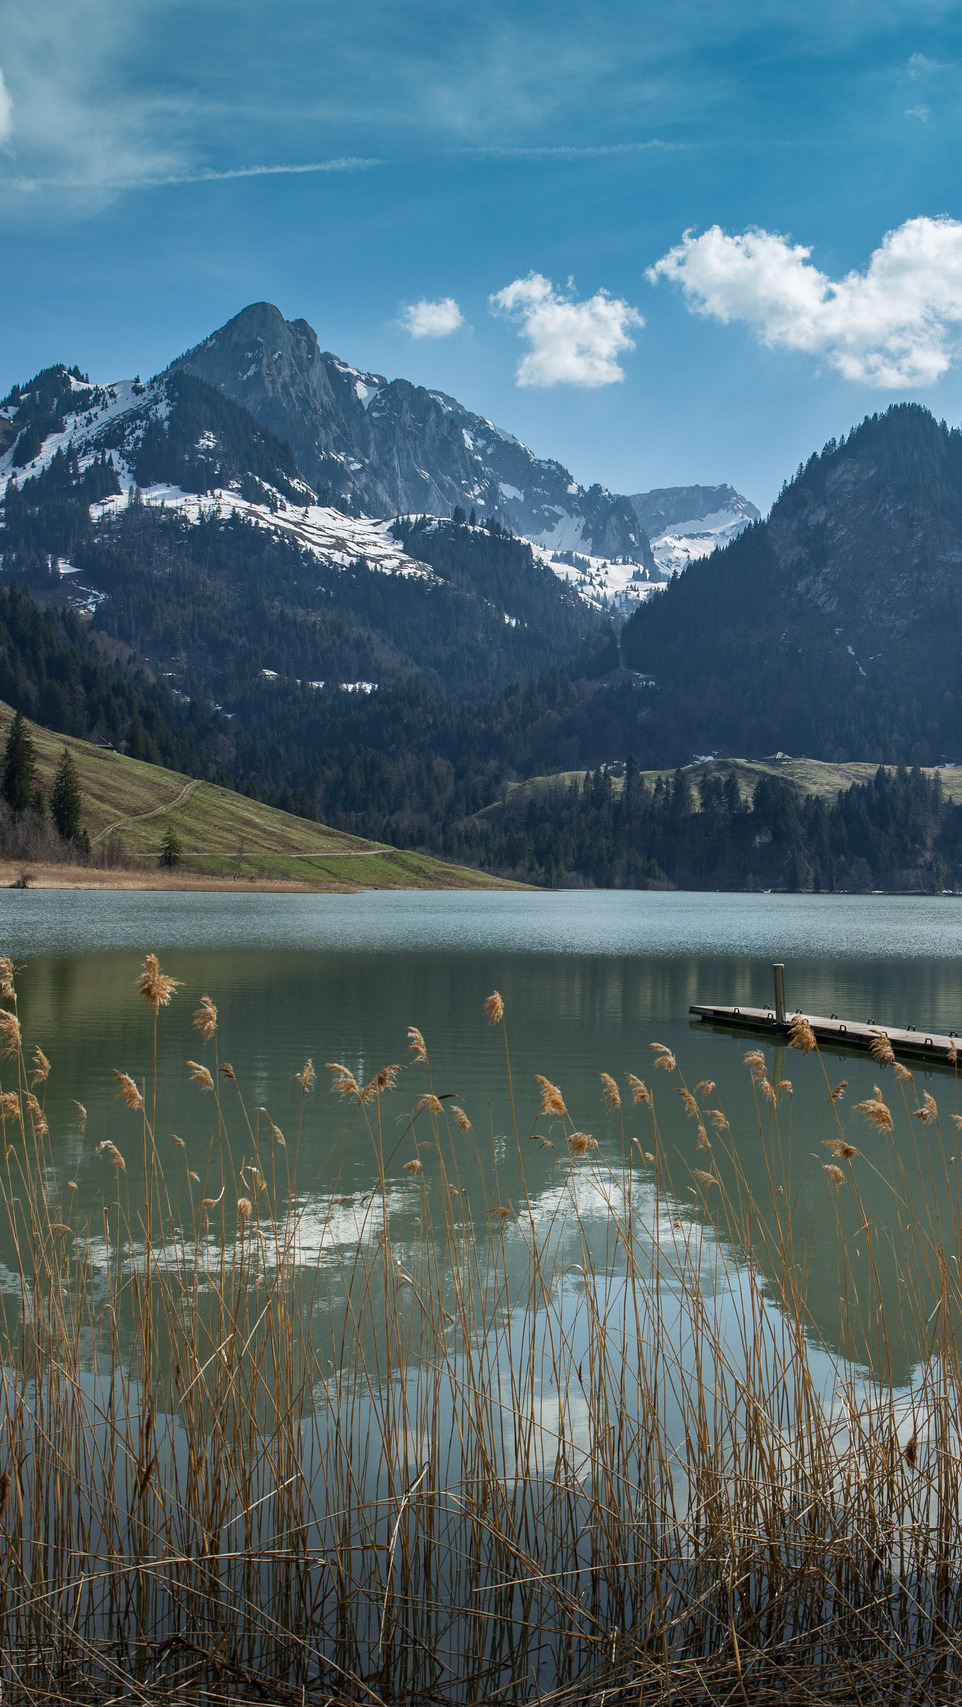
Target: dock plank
{"x":845,"y":1034}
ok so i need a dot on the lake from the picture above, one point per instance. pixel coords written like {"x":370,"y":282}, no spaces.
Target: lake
{"x":589,"y":979}
{"x":451,"y":1406}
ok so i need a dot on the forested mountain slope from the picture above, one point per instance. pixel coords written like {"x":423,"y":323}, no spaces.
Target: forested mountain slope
{"x":185,"y":530}
{"x":834,"y":628}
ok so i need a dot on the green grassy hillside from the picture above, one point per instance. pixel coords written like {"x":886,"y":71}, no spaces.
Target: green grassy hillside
{"x":133,"y":804}
{"x":808,"y":776}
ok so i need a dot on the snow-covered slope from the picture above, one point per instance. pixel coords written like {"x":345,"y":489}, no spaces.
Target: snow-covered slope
{"x":387,"y":447}
{"x":607,"y":584}
{"x":115,"y":420}
{"x":166,"y":450}
{"x":688,"y":522}
{"x":123,"y":420}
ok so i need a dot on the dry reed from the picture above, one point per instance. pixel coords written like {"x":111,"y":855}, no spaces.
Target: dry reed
{"x":255,"y":1445}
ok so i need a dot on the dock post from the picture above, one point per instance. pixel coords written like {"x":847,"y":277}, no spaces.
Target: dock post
{"x":779,"y":971}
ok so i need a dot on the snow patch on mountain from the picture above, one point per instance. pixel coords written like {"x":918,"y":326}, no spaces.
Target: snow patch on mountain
{"x":606,"y":584}
{"x":384,"y":447}
{"x":335,"y":540}
{"x":85,"y":429}
{"x":685,"y":523}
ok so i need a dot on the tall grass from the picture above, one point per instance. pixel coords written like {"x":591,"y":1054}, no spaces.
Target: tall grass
{"x":255,"y":1444}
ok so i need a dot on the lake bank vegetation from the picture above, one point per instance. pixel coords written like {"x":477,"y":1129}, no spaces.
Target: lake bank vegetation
{"x":259,"y":1441}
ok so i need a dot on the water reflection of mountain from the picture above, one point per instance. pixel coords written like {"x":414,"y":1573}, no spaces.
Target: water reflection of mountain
{"x":589,"y":982}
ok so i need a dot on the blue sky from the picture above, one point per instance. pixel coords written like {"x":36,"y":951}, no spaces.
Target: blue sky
{"x":494,"y":199}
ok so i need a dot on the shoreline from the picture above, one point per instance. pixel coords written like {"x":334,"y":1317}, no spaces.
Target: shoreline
{"x":39,"y":875}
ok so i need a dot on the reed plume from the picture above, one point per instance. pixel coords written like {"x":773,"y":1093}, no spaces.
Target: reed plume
{"x":155,"y":986}
{"x":205,"y":1018}
{"x":801,"y":1036}
{"x":839,"y":1147}
{"x":552,"y":1102}
{"x":581,"y":1143}
{"x":876,"y":1112}
{"x":128,"y":1093}
{"x":9,"y":1032}
{"x":306,"y":1076}
{"x":881,"y":1050}
{"x":430,"y":1102}
{"x":663,"y":1057}
{"x":610,"y":1095}
{"x":345,"y":1084}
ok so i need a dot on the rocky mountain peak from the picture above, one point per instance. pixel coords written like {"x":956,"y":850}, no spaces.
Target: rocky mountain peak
{"x":389,"y":447}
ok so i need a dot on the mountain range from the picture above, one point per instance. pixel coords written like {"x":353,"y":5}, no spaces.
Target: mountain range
{"x":386,"y":447}
{"x":281,"y":608}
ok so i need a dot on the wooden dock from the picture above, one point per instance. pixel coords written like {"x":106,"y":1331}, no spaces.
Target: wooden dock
{"x":836,"y":1033}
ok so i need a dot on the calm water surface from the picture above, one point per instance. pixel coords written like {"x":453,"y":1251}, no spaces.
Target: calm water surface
{"x":589,"y":982}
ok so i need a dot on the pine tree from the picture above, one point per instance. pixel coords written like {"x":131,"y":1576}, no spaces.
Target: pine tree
{"x":66,"y":799}
{"x":17,"y":782}
{"x":170,"y":850}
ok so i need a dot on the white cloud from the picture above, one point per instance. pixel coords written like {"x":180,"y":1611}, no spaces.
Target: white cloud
{"x":572,"y":343}
{"x":6,"y":112}
{"x":897,"y":324}
{"x":424,"y":319}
